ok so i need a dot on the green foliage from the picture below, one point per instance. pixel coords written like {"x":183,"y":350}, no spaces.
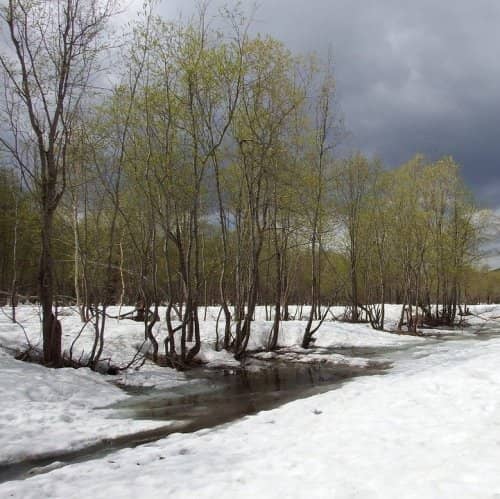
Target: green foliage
{"x":20,"y":235}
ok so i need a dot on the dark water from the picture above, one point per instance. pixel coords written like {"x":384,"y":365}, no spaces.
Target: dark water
{"x":218,"y":397}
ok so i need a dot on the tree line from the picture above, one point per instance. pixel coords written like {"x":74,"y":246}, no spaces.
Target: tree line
{"x":208,"y":175}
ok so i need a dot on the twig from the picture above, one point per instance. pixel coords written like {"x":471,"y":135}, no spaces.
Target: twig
{"x":134,"y":358}
{"x":77,"y":337}
{"x":30,"y":346}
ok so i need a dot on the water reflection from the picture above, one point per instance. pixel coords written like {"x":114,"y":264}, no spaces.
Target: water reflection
{"x":219,"y":398}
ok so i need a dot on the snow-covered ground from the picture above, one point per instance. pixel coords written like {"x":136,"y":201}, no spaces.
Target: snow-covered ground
{"x":428,"y":428}
{"x":47,"y":411}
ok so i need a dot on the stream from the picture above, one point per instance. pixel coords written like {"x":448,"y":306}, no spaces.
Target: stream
{"x":218,"y":396}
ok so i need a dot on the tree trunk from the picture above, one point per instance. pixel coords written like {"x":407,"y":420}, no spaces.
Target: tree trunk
{"x":50,"y":324}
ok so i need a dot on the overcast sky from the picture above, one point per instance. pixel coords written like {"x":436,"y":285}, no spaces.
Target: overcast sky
{"x":412,"y":76}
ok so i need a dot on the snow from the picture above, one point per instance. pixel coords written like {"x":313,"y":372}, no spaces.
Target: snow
{"x":46,"y":411}
{"x":429,"y":428}
{"x":52,"y":411}
{"x":321,"y":356}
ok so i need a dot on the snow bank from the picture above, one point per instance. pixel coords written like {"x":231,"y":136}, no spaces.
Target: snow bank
{"x":51,"y":411}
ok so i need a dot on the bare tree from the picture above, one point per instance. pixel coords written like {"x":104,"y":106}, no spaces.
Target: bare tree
{"x":317,"y":205}
{"x":55,"y":45}
{"x":353,"y":182}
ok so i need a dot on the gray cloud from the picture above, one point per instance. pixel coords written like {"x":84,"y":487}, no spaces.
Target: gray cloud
{"x":411,"y":76}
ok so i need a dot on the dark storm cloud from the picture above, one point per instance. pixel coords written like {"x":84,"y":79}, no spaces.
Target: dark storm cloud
{"x":412,"y":76}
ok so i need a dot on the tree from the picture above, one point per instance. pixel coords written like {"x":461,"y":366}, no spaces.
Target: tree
{"x":17,"y":226}
{"x":317,"y":203}
{"x":454,"y":229}
{"x":354,"y":179}
{"x":55,"y":46}
{"x":379,"y":238}
{"x":270,"y":95}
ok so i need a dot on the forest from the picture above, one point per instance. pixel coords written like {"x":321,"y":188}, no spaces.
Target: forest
{"x":190,"y":164}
